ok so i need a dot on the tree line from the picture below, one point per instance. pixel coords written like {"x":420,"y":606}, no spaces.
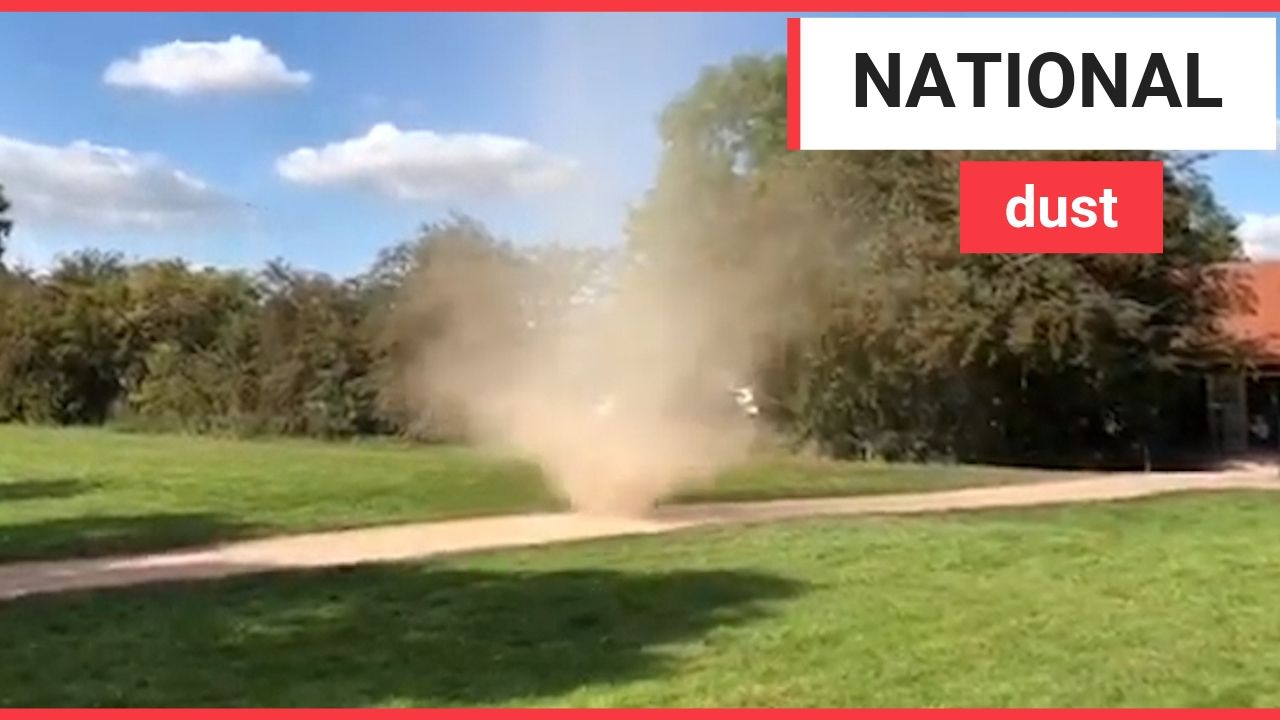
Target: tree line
{"x":168,"y":346}
{"x":872,"y":336}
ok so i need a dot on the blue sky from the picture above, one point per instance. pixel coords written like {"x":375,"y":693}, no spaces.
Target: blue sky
{"x":541,"y":125}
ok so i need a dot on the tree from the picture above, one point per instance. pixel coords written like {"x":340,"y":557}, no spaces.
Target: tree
{"x":6,"y":225}
{"x":879,"y":338}
{"x":61,"y":342}
{"x":192,"y":345}
{"x":314,"y":361}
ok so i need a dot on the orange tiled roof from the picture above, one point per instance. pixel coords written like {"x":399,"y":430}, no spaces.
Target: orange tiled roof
{"x":1255,"y":319}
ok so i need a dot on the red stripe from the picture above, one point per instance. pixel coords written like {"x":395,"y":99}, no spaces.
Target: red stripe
{"x":793,"y":83}
{"x":638,"y":714}
{"x":635,"y":714}
{"x":795,"y":6}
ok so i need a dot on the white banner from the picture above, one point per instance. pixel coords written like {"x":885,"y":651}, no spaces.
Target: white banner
{"x":1033,"y":83}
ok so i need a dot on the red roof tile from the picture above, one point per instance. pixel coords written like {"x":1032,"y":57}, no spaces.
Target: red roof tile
{"x":1255,"y":317}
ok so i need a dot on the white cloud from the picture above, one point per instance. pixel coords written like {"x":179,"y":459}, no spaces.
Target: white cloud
{"x":87,"y":185}
{"x":423,"y":165}
{"x":1260,"y":234}
{"x":187,"y":68}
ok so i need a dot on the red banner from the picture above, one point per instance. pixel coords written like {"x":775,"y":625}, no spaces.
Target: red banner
{"x":1061,"y":207}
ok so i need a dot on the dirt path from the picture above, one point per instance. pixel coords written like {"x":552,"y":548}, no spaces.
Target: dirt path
{"x":402,"y":542}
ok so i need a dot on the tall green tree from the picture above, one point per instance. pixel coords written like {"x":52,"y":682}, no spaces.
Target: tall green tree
{"x":62,"y":353}
{"x":192,"y":338}
{"x":314,"y":360}
{"x":885,"y":339}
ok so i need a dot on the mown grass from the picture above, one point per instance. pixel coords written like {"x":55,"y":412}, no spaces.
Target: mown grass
{"x":1164,"y":602}
{"x":773,"y":477}
{"x":70,"y":492}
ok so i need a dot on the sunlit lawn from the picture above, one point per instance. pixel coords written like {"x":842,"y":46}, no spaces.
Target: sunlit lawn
{"x":1163,"y":602}
{"x":88,"y":492}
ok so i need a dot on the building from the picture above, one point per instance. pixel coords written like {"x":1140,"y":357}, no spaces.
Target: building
{"x":1243,"y":396}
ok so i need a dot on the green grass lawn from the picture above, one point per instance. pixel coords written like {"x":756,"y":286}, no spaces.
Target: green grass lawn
{"x":1162,"y":602}
{"x":87,"y":492}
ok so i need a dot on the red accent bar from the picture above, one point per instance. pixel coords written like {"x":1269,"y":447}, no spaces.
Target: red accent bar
{"x":793,"y":83}
{"x":1062,"y":207}
{"x":801,"y":6}
{"x":638,"y":714}
{"x":634,"y":714}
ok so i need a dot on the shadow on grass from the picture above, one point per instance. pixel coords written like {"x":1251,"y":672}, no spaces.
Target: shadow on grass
{"x":400,"y":634}
{"x":43,"y":489}
{"x":96,"y":535}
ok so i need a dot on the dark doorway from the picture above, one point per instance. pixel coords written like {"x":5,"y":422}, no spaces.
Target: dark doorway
{"x":1263,"y":398}
{"x":1189,"y":424}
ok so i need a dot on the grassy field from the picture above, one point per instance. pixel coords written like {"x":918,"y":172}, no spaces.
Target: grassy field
{"x":87,"y":492}
{"x":1161,"y":602}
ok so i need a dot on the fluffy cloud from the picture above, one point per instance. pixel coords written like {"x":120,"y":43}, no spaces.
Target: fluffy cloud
{"x":424,"y":165}
{"x":186,"y":68}
{"x":1260,"y":234}
{"x":86,"y":185}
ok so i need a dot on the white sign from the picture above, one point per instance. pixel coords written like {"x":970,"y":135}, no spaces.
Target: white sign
{"x":1033,"y":83}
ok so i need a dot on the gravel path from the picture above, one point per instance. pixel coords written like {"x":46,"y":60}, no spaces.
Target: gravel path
{"x":417,"y":540}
